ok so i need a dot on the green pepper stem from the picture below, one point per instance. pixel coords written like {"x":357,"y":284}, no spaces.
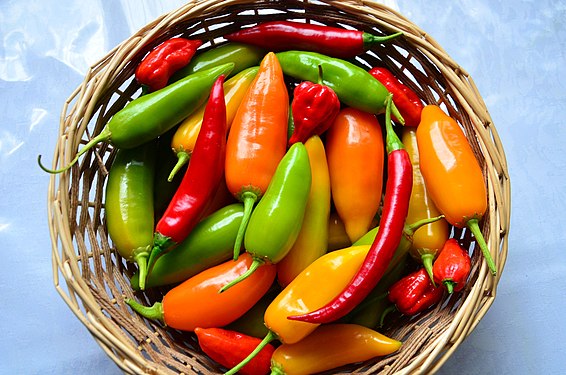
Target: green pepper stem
{"x":161,"y":243}
{"x":104,"y":135}
{"x":473,"y":225}
{"x":320,"y":80}
{"x":410,"y":229}
{"x":449,"y":284}
{"x":427,"y":259}
{"x":370,"y":39}
{"x":249,"y":198}
{"x":266,"y":340}
{"x":140,"y":257}
{"x":183,"y":158}
{"x":385,"y":313}
{"x":253,"y":267}
{"x":154,"y":312}
{"x":391,"y":139}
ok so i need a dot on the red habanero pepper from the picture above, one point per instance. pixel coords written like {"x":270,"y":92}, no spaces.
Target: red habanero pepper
{"x":201,"y":180}
{"x":452,"y":267}
{"x":314,"y":109}
{"x":159,"y":65}
{"x":392,"y":223}
{"x":229,"y":348}
{"x":332,"y":41}
{"x":414,"y":293}
{"x":406,"y":100}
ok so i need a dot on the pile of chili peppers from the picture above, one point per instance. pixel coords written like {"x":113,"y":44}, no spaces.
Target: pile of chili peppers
{"x":278,"y":244}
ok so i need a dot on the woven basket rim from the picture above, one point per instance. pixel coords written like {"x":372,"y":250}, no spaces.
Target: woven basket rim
{"x":76,"y":122}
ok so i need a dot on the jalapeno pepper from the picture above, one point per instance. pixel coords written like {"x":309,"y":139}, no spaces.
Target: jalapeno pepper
{"x":197,"y":303}
{"x":452,"y":267}
{"x":151,"y":115}
{"x":331,"y":346}
{"x":355,"y":153}
{"x":183,"y":141}
{"x":286,"y":35}
{"x":201,"y":180}
{"x":276,"y":221}
{"x":129,"y":203}
{"x":312,"y":240}
{"x":452,"y":174}
{"x":209,"y":243}
{"x":353,"y":85}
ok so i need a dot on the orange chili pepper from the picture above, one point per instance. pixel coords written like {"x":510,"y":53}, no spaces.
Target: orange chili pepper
{"x":428,"y":239}
{"x":452,"y":173}
{"x":331,"y":346}
{"x":197,"y":303}
{"x":257,"y":139}
{"x":183,"y":141}
{"x":313,"y":237}
{"x":355,"y":151}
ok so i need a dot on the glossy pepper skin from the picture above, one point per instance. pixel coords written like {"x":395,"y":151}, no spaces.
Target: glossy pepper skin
{"x":197,"y":303}
{"x":149,"y":116}
{"x":184,"y":139}
{"x":258,"y":139}
{"x":353,"y":85}
{"x":314,"y":108}
{"x":428,"y":240}
{"x":356,"y":155}
{"x":415,"y":293}
{"x":201,"y":180}
{"x":159,"y":65}
{"x":129,"y":203}
{"x":405,"y":99}
{"x":229,"y":347}
{"x":312,"y":240}
{"x":452,"y":267}
{"x":331,"y":346}
{"x":209,"y":244}
{"x":276,"y":221}
{"x":392,"y":222}
{"x":286,"y":35}
{"x":452,"y":174}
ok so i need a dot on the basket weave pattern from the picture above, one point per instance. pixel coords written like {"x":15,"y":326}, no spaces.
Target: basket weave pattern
{"x":93,"y":279}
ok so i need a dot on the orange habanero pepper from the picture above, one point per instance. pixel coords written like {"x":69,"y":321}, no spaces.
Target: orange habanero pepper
{"x":258,"y":138}
{"x":452,"y":173}
{"x":355,"y":152}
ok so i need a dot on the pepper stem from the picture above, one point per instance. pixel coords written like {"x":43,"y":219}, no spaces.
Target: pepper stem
{"x":183,"y":158}
{"x":386,"y":312}
{"x":104,"y":135}
{"x":140,"y":257}
{"x":154,"y":312}
{"x":370,"y":39}
{"x":248,"y":198}
{"x":473,"y":225}
{"x":253,"y":267}
{"x":449,"y":284}
{"x":319,"y":80}
{"x":410,"y":229}
{"x":427,"y":259}
{"x":161,"y":243}
{"x":266,"y":340}
{"x":391,"y":139}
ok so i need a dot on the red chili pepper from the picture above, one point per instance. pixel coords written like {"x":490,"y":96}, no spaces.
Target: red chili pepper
{"x":391,"y":224}
{"x":406,"y":100}
{"x":201,"y":180}
{"x":414,"y":293}
{"x":159,"y":65}
{"x":314,"y":109}
{"x":452,"y":266}
{"x":229,"y":348}
{"x":331,"y":41}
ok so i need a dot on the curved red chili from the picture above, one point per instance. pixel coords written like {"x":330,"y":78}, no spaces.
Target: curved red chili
{"x":201,"y":179}
{"x":331,"y":41}
{"x":392,"y":222}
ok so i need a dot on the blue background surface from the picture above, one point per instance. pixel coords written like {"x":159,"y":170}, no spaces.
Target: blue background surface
{"x":514,"y":51}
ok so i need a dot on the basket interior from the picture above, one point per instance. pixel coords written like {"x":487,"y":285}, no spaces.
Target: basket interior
{"x":97,"y":278}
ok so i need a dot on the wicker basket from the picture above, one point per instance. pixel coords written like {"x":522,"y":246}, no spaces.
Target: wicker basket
{"x":93,"y":279}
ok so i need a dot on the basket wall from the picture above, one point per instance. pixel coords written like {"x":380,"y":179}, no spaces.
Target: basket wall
{"x":93,"y":279}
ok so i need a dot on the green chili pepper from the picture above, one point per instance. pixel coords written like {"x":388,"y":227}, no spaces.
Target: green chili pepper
{"x":211,"y":242}
{"x":354,"y":86}
{"x":151,"y":115}
{"x":277,"y":219}
{"x":241,"y":55}
{"x":129,"y":203}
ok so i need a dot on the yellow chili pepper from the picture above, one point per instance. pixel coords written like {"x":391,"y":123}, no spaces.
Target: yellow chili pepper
{"x":428,"y":239}
{"x":185,"y":137}
{"x":331,"y":346}
{"x":312,"y":240}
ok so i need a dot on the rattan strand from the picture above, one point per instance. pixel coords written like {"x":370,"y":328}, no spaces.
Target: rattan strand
{"x":93,"y":280}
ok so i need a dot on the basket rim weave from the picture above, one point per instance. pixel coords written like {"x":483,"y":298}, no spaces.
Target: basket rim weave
{"x":76,"y":123}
